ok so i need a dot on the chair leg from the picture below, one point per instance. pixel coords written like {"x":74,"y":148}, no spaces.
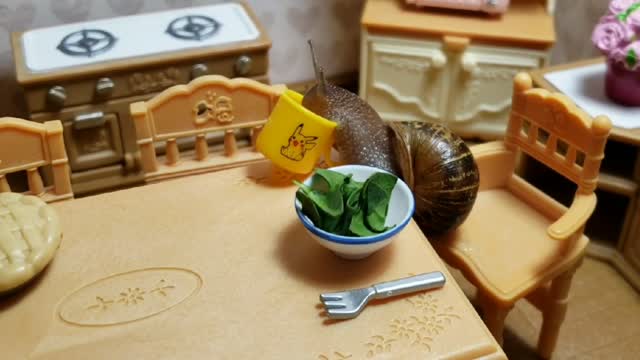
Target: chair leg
{"x":493,"y":316}
{"x":554,"y":312}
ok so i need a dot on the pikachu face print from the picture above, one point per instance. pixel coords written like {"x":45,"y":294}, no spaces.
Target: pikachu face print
{"x":298,"y":145}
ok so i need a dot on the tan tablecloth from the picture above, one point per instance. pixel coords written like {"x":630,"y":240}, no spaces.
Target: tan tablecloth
{"x":217,"y":266}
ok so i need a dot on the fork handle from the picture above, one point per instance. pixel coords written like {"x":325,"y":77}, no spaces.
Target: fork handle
{"x":408,"y":285}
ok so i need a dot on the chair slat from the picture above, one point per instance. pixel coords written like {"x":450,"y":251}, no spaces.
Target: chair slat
{"x":35,"y":181}
{"x":4,"y":184}
{"x":202,"y":149}
{"x":533,"y":134}
{"x":230,"y":145}
{"x":552,"y":144}
{"x":570,"y":158}
{"x":173,"y":155}
{"x":255,"y":132}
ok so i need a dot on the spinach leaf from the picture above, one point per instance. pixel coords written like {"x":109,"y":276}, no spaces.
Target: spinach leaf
{"x":338,"y":204}
{"x":376,"y":198}
{"x":358,"y":227}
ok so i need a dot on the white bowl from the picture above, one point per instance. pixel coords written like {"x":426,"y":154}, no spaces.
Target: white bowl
{"x":401,"y":208}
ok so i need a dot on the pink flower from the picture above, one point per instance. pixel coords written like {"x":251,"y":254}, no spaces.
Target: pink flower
{"x":618,"y":6}
{"x":617,"y":55}
{"x":610,"y":34}
{"x":632,"y":56}
{"x":634,"y":20}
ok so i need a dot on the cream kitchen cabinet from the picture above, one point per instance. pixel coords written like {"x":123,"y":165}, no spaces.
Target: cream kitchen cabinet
{"x":440,"y":74}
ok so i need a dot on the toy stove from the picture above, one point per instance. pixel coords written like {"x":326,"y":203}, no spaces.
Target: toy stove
{"x":87,"y":74}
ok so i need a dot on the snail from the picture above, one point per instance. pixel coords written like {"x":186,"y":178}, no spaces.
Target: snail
{"x":434,"y":162}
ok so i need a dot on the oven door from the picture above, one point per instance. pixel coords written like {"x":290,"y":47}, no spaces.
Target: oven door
{"x":93,"y":140}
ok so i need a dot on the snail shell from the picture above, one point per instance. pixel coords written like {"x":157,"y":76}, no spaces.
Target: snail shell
{"x":440,"y":170}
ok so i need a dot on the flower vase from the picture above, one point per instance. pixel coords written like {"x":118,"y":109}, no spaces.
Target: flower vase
{"x":622,"y":85}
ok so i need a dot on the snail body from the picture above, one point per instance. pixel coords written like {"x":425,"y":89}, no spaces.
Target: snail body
{"x":435,"y":163}
{"x":361,"y":136}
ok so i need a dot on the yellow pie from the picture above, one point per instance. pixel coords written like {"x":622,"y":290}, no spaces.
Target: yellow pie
{"x":30,"y":234}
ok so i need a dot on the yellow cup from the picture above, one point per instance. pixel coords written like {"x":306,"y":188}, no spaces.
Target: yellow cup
{"x":294,"y":138}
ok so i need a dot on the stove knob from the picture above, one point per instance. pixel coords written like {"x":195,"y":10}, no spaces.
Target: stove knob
{"x":104,"y":87}
{"x":56,"y":96}
{"x":198,"y":70}
{"x":243,"y":65}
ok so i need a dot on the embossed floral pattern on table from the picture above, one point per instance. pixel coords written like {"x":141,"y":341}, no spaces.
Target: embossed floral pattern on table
{"x":426,"y":320}
{"x":130,"y":296}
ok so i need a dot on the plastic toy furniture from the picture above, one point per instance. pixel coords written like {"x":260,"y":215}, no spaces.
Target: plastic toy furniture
{"x":518,"y":242}
{"x":27,"y":145}
{"x":207,"y":106}
{"x":142,"y":297}
{"x":614,"y":228}
{"x":450,"y":67}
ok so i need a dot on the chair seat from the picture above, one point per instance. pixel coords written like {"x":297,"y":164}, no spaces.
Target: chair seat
{"x":503,"y":247}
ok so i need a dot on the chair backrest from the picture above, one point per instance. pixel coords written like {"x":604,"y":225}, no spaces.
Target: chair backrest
{"x":27,"y":145}
{"x":550,"y":128}
{"x":208,"y":104}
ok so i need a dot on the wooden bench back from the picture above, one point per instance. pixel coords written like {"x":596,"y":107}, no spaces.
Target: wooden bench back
{"x":27,"y":145}
{"x":208,"y":104}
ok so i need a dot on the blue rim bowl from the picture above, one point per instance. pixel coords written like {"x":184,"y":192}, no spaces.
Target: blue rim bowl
{"x":401,"y":209}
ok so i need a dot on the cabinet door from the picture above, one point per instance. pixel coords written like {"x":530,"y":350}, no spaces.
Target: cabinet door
{"x":405,"y":80}
{"x":482,"y":87}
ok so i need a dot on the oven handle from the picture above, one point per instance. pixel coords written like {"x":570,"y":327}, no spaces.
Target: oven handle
{"x":88,"y":121}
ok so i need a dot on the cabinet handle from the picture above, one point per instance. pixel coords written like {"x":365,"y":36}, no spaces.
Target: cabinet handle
{"x":438,"y":61}
{"x":469,"y":64}
{"x":88,"y":121}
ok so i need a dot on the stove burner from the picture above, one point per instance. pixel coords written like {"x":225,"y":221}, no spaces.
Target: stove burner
{"x":193,"y":27}
{"x":87,"y":42}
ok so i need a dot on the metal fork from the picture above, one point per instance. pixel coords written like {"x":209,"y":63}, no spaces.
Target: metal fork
{"x":348,"y":304}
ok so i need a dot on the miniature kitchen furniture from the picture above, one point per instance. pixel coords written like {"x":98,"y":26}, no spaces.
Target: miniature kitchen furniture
{"x":28,"y":146}
{"x":450,"y":67}
{"x":517,"y":241}
{"x":614,"y":228}
{"x":208,"y":105}
{"x":87,"y":74}
{"x":30,"y":234}
{"x":236,"y":277}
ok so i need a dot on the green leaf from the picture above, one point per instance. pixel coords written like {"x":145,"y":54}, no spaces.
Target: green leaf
{"x":327,"y":180}
{"x":632,"y":57}
{"x":349,"y":187}
{"x":357,"y":226}
{"x":352,"y":205}
{"x":308,"y":207}
{"x":330,"y":202}
{"x":376,"y":198}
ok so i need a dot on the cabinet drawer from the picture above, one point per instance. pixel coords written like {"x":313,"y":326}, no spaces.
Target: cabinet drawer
{"x":407,"y":79}
{"x":483,"y":84}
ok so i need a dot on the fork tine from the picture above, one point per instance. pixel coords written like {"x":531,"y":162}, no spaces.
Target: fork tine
{"x":330,"y":296}
{"x":334,"y":305}
{"x":342,"y":313}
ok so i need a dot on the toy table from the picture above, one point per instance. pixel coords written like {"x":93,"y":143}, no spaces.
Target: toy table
{"x":615,"y":225}
{"x":218,"y":266}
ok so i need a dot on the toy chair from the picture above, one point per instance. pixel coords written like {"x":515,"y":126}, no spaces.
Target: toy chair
{"x":517,"y":241}
{"x":207,"y":106}
{"x":27,"y":145}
